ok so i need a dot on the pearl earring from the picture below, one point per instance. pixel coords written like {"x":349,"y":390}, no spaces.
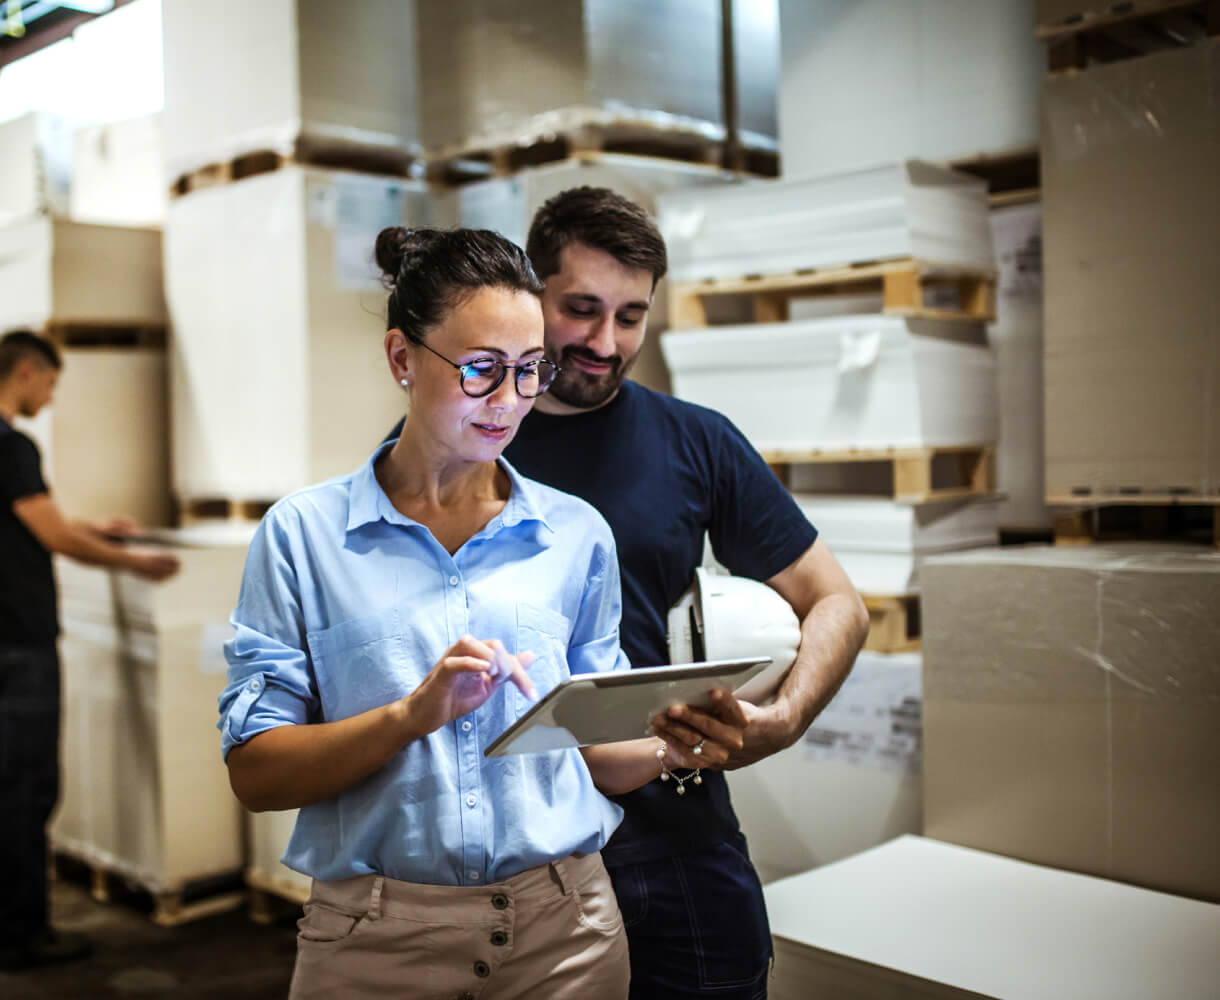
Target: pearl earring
{"x":404,"y":382}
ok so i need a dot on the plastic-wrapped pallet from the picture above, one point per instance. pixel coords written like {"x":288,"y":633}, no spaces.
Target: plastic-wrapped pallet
{"x":292,"y":76}
{"x":852,"y":782}
{"x":881,"y":544}
{"x":145,"y":792}
{"x":499,"y":72}
{"x":840,"y":383}
{"x":864,"y":82}
{"x":907,"y":209}
{"x":35,"y":166}
{"x":118,"y":173}
{"x":278,"y":373}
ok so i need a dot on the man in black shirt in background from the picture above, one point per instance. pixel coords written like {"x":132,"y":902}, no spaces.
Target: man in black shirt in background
{"x":32,"y":527}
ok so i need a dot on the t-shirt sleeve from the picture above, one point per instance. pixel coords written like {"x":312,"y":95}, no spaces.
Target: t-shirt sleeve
{"x":757,"y":529}
{"x":20,"y":469}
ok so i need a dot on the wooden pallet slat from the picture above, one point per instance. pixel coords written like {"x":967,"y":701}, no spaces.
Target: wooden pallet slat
{"x":920,"y":475}
{"x":904,"y":285}
{"x":894,"y":623}
{"x":105,"y":333}
{"x":1136,"y":516}
{"x":1128,"y":30}
{"x":204,"y":510}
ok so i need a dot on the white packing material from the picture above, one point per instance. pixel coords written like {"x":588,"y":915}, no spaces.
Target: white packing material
{"x":840,"y":383}
{"x":118,"y":173}
{"x":904,"y":209}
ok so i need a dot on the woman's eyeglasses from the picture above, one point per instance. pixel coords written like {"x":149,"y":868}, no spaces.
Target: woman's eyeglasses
{"x":483,"y":376}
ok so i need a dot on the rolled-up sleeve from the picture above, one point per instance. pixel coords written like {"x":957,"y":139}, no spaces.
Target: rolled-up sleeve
{"x":271,"y":679}
{"x":594,"y":646}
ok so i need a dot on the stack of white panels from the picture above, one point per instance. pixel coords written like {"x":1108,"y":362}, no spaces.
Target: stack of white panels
{"x":500,"y":71}
{"x":863,"y":82}
{"x":278,"y":374}
{"x":841,"y":383}
{"x":918,"y":918}
{"x":56,"y":271}
{"x":881,"y":544}
{"x":908,"y":209}
{"x":118,"y":173}
{"x":852,"y":782}
{"x":287,"y":75}
{"x":269,"y":833}
{"x":145,"y":792}
{"x":35,"y":166}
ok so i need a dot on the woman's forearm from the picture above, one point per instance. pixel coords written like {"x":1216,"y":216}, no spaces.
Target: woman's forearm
{"x":617,"y":768}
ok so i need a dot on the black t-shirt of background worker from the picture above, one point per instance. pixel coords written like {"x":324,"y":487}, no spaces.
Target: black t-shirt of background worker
{"x":28,"y":611}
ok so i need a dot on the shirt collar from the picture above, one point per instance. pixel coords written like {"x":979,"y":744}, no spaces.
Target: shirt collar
{"x":368,"y":503}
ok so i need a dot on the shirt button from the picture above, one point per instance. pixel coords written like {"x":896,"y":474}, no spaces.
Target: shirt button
{"x":467,"y":726}
{"x":255,"y":684}
{"x":499,"y":938}
{"x":474,"y":876}
{"x":453,"y":581}
{"x":499,"y":901}
{"x":472,"y":800}
{"x":482,"y":970}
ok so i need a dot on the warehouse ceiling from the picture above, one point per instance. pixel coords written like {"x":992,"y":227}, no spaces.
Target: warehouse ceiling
{"x":29,"y":25}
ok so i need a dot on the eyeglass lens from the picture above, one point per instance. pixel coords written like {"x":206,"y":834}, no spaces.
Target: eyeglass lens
{"x":479,"y":378}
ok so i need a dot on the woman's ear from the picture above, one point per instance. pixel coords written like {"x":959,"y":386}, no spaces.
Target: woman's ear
{"x":398,"y":354}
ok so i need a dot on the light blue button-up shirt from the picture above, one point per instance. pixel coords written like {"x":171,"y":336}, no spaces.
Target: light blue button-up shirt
{"x":345,"y":606}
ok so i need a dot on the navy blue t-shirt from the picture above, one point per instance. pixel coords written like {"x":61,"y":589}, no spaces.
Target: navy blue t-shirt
{"x":28,"y":606}
{"x":663,"y":472}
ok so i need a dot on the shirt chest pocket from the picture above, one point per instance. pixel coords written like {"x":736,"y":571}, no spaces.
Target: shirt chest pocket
{"x":544,"y":633}
{"x":363,"y":663}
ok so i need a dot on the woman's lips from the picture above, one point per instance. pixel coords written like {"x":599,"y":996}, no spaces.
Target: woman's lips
{"x":496,"y":432}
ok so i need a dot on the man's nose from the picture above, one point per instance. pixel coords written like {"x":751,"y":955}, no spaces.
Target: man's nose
{"x":601,"y":336}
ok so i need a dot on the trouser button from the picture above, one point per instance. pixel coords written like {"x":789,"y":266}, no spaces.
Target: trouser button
{"x":499,"y":901}
{"x":499,"y":938}
{"x":482,"y":970}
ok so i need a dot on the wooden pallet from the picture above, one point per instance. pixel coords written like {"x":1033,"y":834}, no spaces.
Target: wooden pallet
{"x":271,"y":897}
{"x":1127,"y":30}
{"x":920,"y":475}
{"x":167,"y":906}
{"x":893,"y":623}
{"x":457,"y":165}
{"x":382,"y":162}
{"x":1136,"y":516}
{"x":903,"y":284}
{"x":1013,"y":177}
{"x":76,"y":334}
{"x":211,"y":509}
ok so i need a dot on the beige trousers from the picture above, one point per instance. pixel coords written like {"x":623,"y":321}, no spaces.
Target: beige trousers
{"x":551,"y":932}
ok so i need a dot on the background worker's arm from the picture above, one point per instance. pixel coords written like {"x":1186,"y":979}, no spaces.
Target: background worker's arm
{"x":46,"y":522}
{"x":834,"y":625}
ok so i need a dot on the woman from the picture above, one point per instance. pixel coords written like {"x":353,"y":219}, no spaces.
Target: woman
{"x":392,"y":623}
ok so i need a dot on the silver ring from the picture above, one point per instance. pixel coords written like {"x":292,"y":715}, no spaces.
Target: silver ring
{"x":698,"y":749}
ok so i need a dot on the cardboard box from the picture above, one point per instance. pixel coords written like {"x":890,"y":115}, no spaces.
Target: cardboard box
{"x":866,"y":82}
{"x":118,"y":173}
{"x":852,"y":782}
{"x":918,"y":918}
{"x":499,"y":72}
{"x":53,"y":271}
{"x":1070,"y":700}
{"x":303,"y":76}
{"x":145,"y":791}
{"x":1130,"y":157}
{"x":837,"y":384}
{"x":278,"y":374}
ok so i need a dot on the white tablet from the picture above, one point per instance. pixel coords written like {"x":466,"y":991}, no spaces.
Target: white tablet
{"x":605,"y":708}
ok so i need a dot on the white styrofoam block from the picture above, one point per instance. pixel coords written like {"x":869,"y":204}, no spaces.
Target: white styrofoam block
{"x":880,"y":544}
{"x":852,"y":782}
{"x":35,"y":166}
{"x":864,"y":82}
{"x":917,"y":914}
{"x":907,"y":209}
{"x":1016,"y":336}
{"x":278,"y":376}
{"x":241,"y":77}
{"x":118,"y":173}
{"x":849,"y":382}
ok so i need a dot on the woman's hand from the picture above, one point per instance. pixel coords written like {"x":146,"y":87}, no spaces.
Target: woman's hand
{"x":464,"y":678}
{"x":715,"y":733}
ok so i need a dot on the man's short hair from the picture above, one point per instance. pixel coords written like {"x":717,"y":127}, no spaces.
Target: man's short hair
{"x":601,"y":219}
{"x":18,"y":345}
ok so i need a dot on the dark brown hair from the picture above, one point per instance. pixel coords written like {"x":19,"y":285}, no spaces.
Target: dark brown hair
{"x":431,"y":271}
{"x":599,"y":218}
{"x":21,"y":344}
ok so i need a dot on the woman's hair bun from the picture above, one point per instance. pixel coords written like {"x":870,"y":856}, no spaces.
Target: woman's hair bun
{"x":395,"y":244}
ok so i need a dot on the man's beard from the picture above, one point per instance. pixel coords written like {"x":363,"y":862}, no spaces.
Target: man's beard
{"x":582,"y":390}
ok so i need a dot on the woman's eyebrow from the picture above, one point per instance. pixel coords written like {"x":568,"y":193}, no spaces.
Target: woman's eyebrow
{"x":501,"y":352}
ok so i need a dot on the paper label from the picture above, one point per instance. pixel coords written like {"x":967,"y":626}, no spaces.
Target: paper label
{"x":875,"y":719}
{"x":363,"y":207}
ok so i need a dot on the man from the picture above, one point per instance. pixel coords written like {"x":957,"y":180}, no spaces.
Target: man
{"x":663,"y":473}
{"x":32,"y":527}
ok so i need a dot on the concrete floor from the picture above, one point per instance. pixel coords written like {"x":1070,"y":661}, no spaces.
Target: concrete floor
{"x":227,"y":956}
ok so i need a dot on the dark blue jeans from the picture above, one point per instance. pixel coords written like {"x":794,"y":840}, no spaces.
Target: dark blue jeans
{"x":696,"y":925}
{"x":29,"y":783}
